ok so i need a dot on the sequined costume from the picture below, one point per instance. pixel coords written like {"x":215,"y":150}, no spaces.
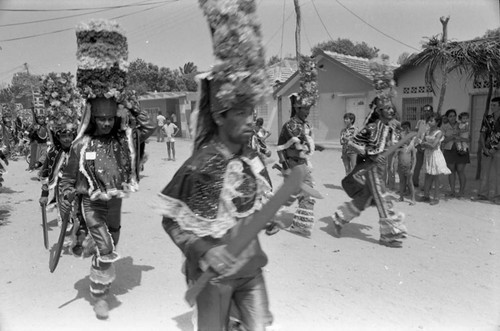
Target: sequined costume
{"x":4,"y":152}
{"x":101,"y":170}
{"x":373,"y":139}
{"x":206,"y":198}
{"x":296,"y":145}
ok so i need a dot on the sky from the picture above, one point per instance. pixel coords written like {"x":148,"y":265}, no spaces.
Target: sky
{"x":170,"y":33}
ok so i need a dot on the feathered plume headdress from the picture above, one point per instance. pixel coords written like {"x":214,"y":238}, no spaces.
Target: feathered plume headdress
{"x":63,"y":102}
{"x":102,"y":67}
{"x":383,"y":82}
{"x":308,"y":89}
{"x":238,"y":75}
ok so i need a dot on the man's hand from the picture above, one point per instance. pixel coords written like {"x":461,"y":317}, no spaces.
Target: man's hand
{"x":43,"y":201}
{"x":219,"y":259}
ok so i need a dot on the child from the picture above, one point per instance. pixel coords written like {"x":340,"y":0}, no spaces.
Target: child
{"x":405,"y":159}
{"x":434,"y":162}
{"x":170,"y":130}
{"x":463,"y":126}
{"x":258,"y":140}
{"x":349,"y":131}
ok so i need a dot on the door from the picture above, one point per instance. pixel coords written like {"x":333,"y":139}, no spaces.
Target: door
{"x":357,"y":106}
{"x":412,"y":109}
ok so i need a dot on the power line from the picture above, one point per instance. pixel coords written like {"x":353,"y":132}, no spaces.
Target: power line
{"x":72,"y":28}
{"x":82,"y":9}
{"x":64,"y":17}
{"x":376,"y":29}
{"x":321,"y":20}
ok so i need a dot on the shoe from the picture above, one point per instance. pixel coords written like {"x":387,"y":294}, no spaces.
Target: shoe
{"x":101,"y":309}
{"x":392,"y":243}
{"x":480,"y":197}
{"x":425,"y":199}
{"x":337,"y":229}
{"x":434,"y":202}
{"x":272,"y":228}
{"x":300,"y":232}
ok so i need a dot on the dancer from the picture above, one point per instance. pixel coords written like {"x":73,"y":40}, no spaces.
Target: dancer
{"x":39,"y":135}
{"x":371,"y":142}
{"x":63,"y":104}
{"x":102,"y":163}
{"x":405,"y":159}
{"x":296,"y":144}
{"x":434,"y":162}
{"x":4,"y":146}
{"x":223,"y":181}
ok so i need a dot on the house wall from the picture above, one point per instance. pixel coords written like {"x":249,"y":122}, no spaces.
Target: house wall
{"x":153,"y":108}
{"x":336,"y":83}
{"x":460,"y":94}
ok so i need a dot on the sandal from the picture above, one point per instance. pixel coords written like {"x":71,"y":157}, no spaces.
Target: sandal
{"x":391,"y":243}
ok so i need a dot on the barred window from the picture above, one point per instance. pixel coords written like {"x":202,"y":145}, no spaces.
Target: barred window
{"x":406,"y":90}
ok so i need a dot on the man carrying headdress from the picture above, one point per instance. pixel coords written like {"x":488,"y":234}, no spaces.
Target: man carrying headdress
{"x":370,"y":143}
{"x":224,"y":181}
{"x":63,"y":106}
{"x":102,"y":164}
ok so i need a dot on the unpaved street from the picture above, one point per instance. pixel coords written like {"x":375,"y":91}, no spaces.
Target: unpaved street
{"x":446,"y":277}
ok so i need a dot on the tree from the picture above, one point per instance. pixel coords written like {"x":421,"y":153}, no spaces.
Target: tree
{"x":347,"y":47}
{"x":188,"y":68}
{"x":403,"y":58}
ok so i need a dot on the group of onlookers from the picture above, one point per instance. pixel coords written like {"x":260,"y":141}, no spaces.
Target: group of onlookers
{"x":441,"y":147}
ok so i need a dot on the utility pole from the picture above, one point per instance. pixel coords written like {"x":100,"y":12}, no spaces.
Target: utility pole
{"x":297,"y":29}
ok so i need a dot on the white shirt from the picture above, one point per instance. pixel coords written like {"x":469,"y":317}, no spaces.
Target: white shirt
{"x":169,"y":129}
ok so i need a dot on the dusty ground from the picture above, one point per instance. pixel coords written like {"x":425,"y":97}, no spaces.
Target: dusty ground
{"x":446,"y":277}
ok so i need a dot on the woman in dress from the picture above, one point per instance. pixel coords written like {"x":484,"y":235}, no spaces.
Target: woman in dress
{"x":434,"y":161}
{"x":456,"y":162}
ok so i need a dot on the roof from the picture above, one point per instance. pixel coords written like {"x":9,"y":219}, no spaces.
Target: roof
{"x":164,"y":95}
{"x":358,"y":66}
{"x":281,"y":71}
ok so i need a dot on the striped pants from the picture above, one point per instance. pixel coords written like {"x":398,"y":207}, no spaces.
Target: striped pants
{"x":390,"y":223}
{"x":303,"y":219}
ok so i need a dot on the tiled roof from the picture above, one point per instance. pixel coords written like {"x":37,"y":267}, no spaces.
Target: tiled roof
{"x":358,"y":64}
{"x":163,"y":95}
{"x":281,"y":71}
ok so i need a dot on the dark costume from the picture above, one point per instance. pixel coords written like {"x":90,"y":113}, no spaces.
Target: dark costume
{"x":296,"y":145}
{"x":206,"y":198}
{"x":38,"y":135}
{"x":373,"y":139}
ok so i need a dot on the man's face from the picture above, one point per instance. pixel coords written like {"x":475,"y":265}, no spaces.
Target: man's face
{"x":237,"y":124}
{"x":66,"y":138}
{"x":495,"y":109}
{"x":40,"y":119}
{"x":386,"y":113}
{"x":104,"y":124}
{"x":303,"y":112}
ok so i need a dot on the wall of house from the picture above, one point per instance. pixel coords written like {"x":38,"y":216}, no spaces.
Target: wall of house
{"x":153,"y":108}
{"x":460,"y":94}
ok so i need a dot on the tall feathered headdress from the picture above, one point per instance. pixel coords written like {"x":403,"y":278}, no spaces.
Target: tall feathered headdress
{"x":102,"y":54}
{"x":383,"y":82}
{"x":238,"y":75}
{"x":63,"y":102}
{"x":308,"y":89}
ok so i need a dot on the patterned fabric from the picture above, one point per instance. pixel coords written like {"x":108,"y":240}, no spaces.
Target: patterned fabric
{"x":108,"y":163}
{"x":345,"y":135}
{"x":374,"y":137}
{"x":296,"y":141}
{"x":213,"y":189}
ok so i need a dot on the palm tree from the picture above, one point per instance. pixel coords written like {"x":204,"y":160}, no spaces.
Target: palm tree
{"x":188,"y":68}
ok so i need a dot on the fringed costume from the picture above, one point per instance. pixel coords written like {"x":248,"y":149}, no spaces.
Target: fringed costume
{"x":295,"y":147}
{"x":365,"y":184}
{"x":224,"y":181}
{"x":102,"y":165}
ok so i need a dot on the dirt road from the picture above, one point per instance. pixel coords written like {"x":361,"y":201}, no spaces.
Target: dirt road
{"x":446,"y":277}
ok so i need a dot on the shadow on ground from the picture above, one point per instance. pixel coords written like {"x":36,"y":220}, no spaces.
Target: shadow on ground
{"x":333,"y":187}
{"x":184,"y":321}
{"x":128,"y":276}
{"x":350,"y":230}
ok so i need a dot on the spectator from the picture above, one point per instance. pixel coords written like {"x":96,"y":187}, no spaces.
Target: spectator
{"x":490,"y":163}
{"x":456,"y":162}
{"x":170,"y":130}
{"x":348,"y":155}
{"x":404,"y":160}
{"x":160,"y":121}
{"x":421,"y":129}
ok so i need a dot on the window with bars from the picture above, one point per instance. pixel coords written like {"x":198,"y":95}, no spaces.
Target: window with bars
{"x":417,"y":89}
{"x":413,"y":107}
